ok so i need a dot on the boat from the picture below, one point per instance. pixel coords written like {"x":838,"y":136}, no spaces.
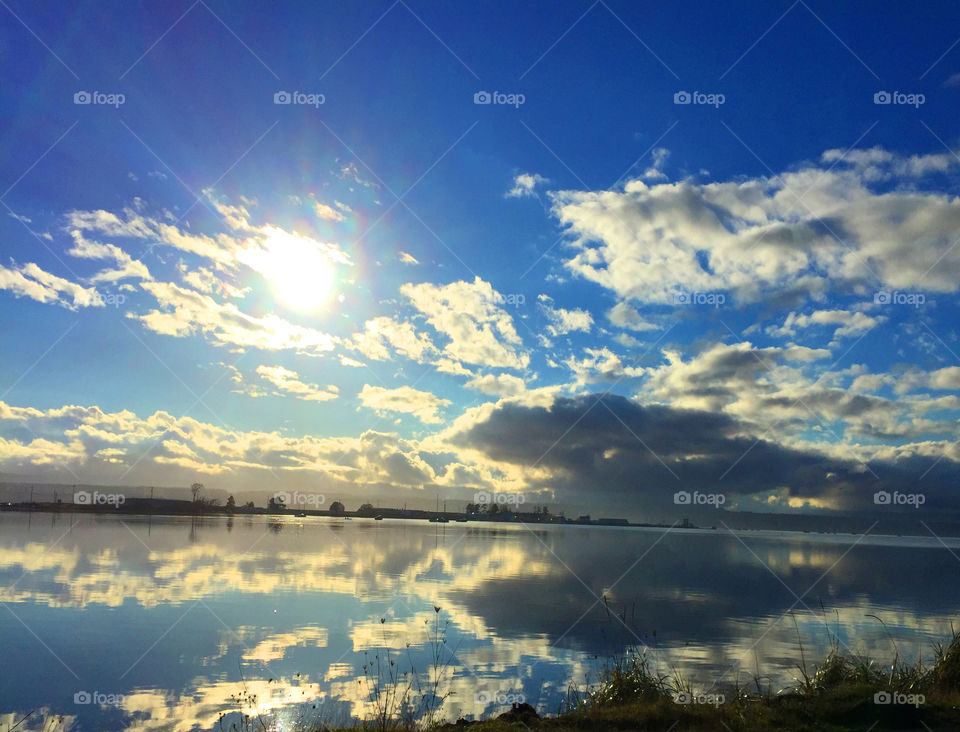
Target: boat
{"x":378,"y":517}
{"x":300,"y":514}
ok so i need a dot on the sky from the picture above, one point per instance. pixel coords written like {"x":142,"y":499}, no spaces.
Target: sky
{"x":607,"y":256}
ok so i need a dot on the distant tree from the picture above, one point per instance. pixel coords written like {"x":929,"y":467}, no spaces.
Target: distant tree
{"x":493,"y":509}
{"x":337,"y":509}
{"x":195,"y":490}
{"x":249,"y":504}
{"x":366,"y":509}
{"x":275,"y":503}
{"x":231,"y":504}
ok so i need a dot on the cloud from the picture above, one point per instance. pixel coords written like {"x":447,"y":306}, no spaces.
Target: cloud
{"x":184,"y":312}
{"x":771,"y":235}
{"x":478,"y":330}
{"x":382,"y":333}
{"x":497,"y":384}
{"x":564,"y":321}
{"x":600,"y":364}
{"x":127,"y":267}
{"x":849,"y":323}
{"x":623,"y":315}
{"x":289,"y":382}
{"x":328,"y":213}
{"x":525,"y":184}
{"x":421,"y":404}
{"x":29,"y":280}
{"x":407,"y":258}
{"x":613,"y":453}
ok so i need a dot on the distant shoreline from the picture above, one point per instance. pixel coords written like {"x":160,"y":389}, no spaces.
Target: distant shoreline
{"x":147,"y":508}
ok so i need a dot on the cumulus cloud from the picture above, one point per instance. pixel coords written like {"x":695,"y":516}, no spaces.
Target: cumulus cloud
{"x":812,"y":230}
{"x":470,"y":314}
{"x":525,"y":184}
{"x":848,"y":323}
{"x":421,"y":404}
{"x":563,"y":321}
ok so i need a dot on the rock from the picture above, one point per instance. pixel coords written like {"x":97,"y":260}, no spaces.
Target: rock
{"x":520,"y":712}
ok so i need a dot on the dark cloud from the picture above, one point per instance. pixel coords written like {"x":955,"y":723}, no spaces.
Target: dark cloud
{"x":619,"y":455}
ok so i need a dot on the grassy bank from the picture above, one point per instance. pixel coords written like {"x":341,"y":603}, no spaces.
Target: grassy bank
{"x":843,"y":692}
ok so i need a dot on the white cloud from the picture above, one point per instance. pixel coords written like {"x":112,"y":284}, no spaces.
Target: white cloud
{"x":525,"y":184}
{"x":421,"y":404}
{"x":184,"y":312}
{"x":327,"y":213}
{"x":770,"y":234}
{"x":497,"y":384}
{"x":31,"y":281}
{"x":848,"y":323}
{"x":289,"y":382}
{"x":564,"y":321}
{"x":469,"y":315}
{"x":407,"y":258}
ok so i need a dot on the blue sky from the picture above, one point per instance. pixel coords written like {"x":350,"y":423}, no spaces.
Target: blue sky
{"x":589,"y":295}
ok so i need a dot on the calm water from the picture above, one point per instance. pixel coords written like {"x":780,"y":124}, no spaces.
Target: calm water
{"x":176,"y":617}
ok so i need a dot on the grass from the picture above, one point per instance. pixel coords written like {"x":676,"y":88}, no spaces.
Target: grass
{"x":837,"y":695}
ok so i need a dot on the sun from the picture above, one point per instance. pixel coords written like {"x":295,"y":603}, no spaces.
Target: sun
{"x":298,"y":269}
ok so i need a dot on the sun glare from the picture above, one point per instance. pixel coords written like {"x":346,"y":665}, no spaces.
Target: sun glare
{"x":298,"y":269}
